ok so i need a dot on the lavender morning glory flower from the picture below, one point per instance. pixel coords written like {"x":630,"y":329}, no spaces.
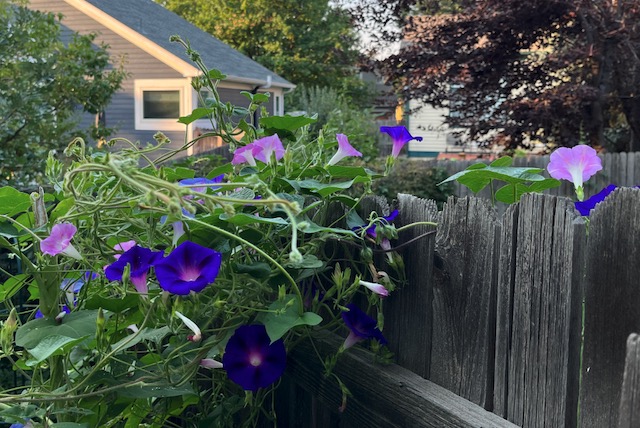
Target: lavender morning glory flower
{"x":59,"y":241}
{"x":344,"y":149}
{"x":190,"y":267}
{"x":585,"y":207}
{"x":400,"y":136}
{"x":123,"y":247}
{"x":264,"y":147}
{"x":362,"y":327}
{"x":576,"y":165}
{"x":251,"y":360}
{"x":244,"y":154}
{"x":140,"y":260}
{"x":376,"y":288}
{"x":209,"y":363}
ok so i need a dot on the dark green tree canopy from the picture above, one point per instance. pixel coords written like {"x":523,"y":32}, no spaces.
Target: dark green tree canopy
{"x":308,"y":42}
{"x":556,"y":71}
{"x":44,"y":85}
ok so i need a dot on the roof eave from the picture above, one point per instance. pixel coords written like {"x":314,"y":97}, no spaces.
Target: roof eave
{"x":152,"y":48}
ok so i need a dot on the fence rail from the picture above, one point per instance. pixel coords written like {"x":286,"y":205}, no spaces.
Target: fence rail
{"x":493,"y":311}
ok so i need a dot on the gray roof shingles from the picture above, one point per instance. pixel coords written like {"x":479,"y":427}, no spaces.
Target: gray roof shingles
{"x":158,"y":24}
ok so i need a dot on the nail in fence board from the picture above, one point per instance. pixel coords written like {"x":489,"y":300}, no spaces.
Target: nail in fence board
{"x":612,"y":304}
{"x":462,"y":353}
{"x":539,"y":299}
{"x":629,"y":415}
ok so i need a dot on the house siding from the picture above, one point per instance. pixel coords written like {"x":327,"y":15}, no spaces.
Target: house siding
{"x":427,"y":122}
{"x":120,"y":114}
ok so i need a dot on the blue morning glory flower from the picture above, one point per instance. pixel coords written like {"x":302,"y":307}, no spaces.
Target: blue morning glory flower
{"x":361,"y":327}
{"x":251,"y":360}
{"x":140,"y":260}
{"x":585,"y":207}
{"x":190,"y":267}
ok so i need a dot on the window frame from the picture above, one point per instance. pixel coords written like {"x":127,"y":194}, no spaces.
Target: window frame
{"x":183,"y":87}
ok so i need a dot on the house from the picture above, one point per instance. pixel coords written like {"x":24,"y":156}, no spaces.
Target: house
{"x":158,"y":90}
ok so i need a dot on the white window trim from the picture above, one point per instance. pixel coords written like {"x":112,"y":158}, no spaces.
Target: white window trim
{"x":181,"y":85}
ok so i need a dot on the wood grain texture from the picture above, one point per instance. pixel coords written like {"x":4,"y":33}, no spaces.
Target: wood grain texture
{"x":408,"y":312}
{"x":537,"y":357}
{"x":612,"y":304}
{"x":629,"y":414}
{"x":383,"y":396}
{"x":464,"y":300}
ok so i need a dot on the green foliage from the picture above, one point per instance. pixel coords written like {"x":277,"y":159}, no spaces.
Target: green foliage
{"x":519,"y":180}
{"x":416,"y":178}
{"x":43,"y":85}
{"x":308,"y":41}
{"x":124,"y":355}
{"x":335,"y":113}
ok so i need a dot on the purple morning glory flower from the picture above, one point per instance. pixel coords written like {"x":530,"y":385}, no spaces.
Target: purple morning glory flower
{"x":371,"y":230}
{"x":59,"y":241}
{"x":362,"y":327}
{"x":139,"y":259}
{"x":65,"y":310}
{"x":201,"y":180}
{"x":344,"y":149}
{"x":264,"y":147}
{"x":251,"y":360}
{"x":244,"y":154}
{"x":190,"y":267}
{"x":400,"y":136}
{"x":585,"y":207}
{"x":576,"y":164}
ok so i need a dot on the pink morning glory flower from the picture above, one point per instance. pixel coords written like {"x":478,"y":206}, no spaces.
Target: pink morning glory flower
{"x":251,"y":360}
{"x":576,"y":165}
{"x":190,"y":267}
{"x":264,"y":147}
{"x":400,"y":136}
{"x":344,"y":149}
{"x":244,"y":155}
{"x":59,"y":241}
{"x":376,"y":288}
{"x":361,"y":327}
{"x":140,"y":261}
{"x":123,"y":247}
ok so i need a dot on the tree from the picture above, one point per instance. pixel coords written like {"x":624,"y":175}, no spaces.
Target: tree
{"x":307,"y":42}
{"x":44,"y":84}
{"x":556,"y":71}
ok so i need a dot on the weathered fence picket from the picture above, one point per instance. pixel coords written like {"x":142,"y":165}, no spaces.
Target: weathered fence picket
{"x":629,"y":414}
{"x":493,"y":312}
{"x":612,"y":304}
{"x":464,"y":290}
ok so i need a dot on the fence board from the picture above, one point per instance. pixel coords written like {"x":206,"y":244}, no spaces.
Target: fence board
{"x":408,"y":313}
{"x":612,"y":304}
{"x":462,"y":355}
{"x":383,"y":396}
{"x":539,"y":313}
{"x":629,"y":415}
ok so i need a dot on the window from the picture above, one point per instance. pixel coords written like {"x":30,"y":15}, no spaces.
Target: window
{"x":160,"y":102}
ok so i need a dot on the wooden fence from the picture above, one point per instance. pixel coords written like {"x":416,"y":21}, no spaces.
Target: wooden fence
{"x":488,"y":330}
{"x":621,"y":169}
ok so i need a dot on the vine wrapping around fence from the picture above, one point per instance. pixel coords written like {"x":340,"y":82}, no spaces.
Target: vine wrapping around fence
{"x":494,"y":305}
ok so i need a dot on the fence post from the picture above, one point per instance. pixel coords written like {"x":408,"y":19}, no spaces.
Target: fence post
{"x":612,"y":304}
